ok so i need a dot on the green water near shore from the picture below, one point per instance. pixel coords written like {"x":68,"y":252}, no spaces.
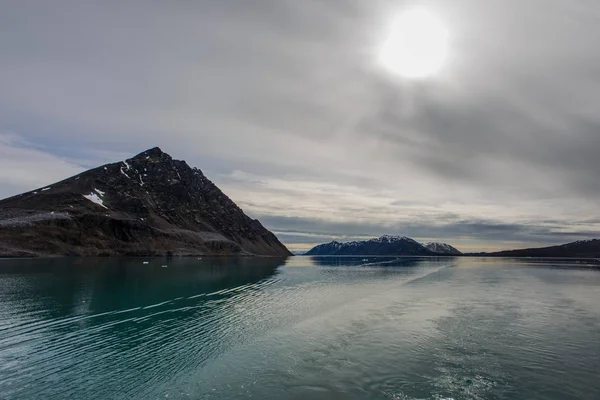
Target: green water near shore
{"x":301,"y":328}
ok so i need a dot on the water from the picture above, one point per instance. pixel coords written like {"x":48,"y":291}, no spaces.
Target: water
{"x":305,"y":328}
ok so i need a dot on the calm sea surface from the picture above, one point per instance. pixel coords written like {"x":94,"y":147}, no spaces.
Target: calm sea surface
{"x":302,"y":328}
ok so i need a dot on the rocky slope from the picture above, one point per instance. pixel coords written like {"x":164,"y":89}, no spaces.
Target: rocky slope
{"x":383,"y":246}
{"x":147,"y":205}
{"x":579,"y":249}
{"x":442,"y":248}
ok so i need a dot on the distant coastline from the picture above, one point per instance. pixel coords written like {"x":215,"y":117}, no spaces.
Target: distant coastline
{"x":404,"y":246}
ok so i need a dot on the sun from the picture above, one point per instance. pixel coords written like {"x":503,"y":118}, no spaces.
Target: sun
{"x":416,"y":46}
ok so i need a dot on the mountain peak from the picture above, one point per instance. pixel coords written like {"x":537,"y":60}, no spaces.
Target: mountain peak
{"x":384,"y":245}
{"x":393,"y":238}
{"x":153,"y":152}
{"x":146,"y":205}
{"x":441,"y":248}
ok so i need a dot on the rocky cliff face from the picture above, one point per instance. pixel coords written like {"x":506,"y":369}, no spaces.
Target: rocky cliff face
{"x":147,"y":205}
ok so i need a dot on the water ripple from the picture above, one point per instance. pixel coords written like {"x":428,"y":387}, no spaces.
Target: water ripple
{"x":367,"y":330}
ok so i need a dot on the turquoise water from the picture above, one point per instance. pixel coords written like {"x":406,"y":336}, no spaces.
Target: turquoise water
{"x":302,"y":328}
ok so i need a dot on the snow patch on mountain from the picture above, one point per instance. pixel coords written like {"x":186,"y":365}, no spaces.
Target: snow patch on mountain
{"x":123,"y":173}
{"x":94,"y":198}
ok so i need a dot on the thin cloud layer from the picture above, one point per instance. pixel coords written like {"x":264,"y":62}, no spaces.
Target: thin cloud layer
{"x":284,"y":106}
{"x":23,"y":167}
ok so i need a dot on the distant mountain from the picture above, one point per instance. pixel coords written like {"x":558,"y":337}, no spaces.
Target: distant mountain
{"x":383,"y":246}
{"x":147,"y":205}
{"x":579,"y":249}
{"x":397,"y":245}
{"x":442,"y":248}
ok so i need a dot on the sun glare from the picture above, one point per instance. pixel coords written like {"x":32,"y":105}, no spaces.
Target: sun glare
{"x":416,"y":46}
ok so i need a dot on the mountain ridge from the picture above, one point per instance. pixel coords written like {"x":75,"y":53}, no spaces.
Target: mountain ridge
{"x":589,"y":248}
{"x":383,"y":245}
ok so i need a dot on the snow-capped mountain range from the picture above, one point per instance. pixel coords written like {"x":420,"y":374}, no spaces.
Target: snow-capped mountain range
{"x":384,"y":246}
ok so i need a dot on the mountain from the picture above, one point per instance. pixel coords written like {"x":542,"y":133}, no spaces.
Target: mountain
{"x":579,"y":249}
{"x":442,"y":248}
{"x":384,"y":246}
{"x":147,"y":205}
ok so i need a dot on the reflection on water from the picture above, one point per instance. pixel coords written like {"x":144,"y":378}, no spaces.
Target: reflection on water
{"x":301,"y":328}
{"x":86,"y":322}
{"x":363,"y":261}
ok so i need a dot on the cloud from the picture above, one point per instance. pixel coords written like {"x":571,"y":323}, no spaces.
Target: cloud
{"x":474,"y":235}
{"x":304,"y":213}
{"x":283,"y":104}
{"x":24,"y":168}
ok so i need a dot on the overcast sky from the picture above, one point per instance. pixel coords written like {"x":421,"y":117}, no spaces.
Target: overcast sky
{"x":284,"y":105}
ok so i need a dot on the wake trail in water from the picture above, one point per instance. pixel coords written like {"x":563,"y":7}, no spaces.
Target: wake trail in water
{"x":99,"y":343}
{"x":183,"y":332}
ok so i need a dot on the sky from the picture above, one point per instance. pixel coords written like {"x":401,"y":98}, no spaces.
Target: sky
{"x":285,"y":106}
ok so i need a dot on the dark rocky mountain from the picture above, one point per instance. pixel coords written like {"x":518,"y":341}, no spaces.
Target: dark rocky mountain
{"x":147,"y":205}
{"x":442,"y":248}
{"x":384,"y":246}
{"x":579,"y":249}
